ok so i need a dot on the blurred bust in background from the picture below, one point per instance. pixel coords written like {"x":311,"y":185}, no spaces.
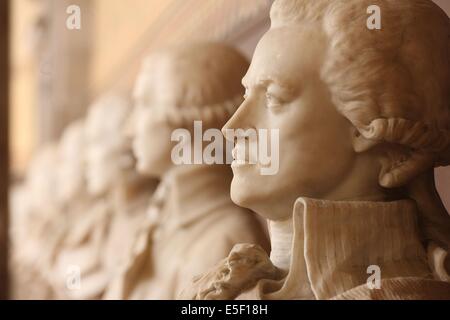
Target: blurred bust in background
{"x":77,"y":246}
{"x":101,"y":236}
{"x":193,"y":222}
{"x":34,"y":210}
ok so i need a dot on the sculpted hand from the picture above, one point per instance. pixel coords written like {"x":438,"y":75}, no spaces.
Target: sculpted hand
{"x":241,"y":270}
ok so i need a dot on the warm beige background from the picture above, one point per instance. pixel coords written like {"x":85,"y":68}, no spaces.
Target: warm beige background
{"x":118,"y":29}
{"x":23,"y":85}
{"x":117,"y":34}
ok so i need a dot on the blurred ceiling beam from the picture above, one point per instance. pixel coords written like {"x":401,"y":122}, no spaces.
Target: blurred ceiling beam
{"x":187,"y":21}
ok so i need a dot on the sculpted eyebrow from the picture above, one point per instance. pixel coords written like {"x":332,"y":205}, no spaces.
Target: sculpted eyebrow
{"x":278,"y":84}
{"x":278,"y":87}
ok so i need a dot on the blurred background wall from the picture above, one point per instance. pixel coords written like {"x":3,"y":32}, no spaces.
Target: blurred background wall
{"x":50,"y":66}
{"x":57,"y":72}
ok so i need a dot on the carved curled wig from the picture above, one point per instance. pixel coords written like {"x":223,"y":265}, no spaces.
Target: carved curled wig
{"x":199,"y":81}
{"x":412,"y":109}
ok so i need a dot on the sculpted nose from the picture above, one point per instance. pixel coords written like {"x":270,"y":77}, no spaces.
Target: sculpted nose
{"x":239,"y":120}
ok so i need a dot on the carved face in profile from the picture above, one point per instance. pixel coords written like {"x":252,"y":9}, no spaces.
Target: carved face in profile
{"x":108,"y":152}
{"x":177,"y":86}
{"x":151,"y":133}
{"x":71,"y":170}
{"x":284,"y":91}
{"x":358,"y":116}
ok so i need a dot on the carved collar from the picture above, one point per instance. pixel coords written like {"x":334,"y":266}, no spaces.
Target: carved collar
{"x":328,"y":246}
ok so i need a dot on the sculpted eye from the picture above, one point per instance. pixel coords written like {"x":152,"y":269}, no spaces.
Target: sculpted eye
{"x":273,"y":101}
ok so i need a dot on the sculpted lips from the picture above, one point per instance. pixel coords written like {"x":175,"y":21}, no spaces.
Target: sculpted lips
{"x":243,"y":156}
{"x":239,"y":157}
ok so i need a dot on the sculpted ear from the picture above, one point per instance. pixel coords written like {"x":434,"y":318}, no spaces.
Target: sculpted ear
{"x":397,"y":167}
{"x":361,"y":143}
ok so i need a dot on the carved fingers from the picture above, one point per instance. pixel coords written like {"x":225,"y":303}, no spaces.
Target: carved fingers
{"x":241,"y":270}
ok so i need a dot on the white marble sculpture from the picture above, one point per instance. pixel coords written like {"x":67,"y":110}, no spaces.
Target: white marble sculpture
{"x":192,"y":220}
{"x":33,"y":228}
{"x":75,"y":249}
{"x":363,"y":118}
{"x":111,"y":175}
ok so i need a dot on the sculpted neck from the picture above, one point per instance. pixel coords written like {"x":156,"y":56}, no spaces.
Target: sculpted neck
{"x":281,"y":237}
{"x":282,"y":231}
{"x":359,"y":184}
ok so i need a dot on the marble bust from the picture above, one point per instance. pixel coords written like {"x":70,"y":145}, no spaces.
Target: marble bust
{"x":34,"y":227}
{"x":363,"y":118}
{"x":79,"y":214}
{"x":70,"y":172}
{"x":192,"y":222}
{"x":72,"y":201}
{"x":102,"y":233}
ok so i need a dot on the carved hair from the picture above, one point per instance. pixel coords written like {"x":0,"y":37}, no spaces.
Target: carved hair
{"x":412,"y":109}
{"x":411,"y":50}
{"x":200,"y":81}
{"x":108,"y":114}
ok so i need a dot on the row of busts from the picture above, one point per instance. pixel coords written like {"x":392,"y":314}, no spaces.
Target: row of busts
{"x":352,"y":213}
{"x":104,"y":213}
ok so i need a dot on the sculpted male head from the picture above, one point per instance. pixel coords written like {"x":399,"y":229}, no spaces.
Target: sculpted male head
{"x":360,"y":112}
{"x":70,"y":173}
{"x":108,"y":150}
{"x":178,"y":86}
